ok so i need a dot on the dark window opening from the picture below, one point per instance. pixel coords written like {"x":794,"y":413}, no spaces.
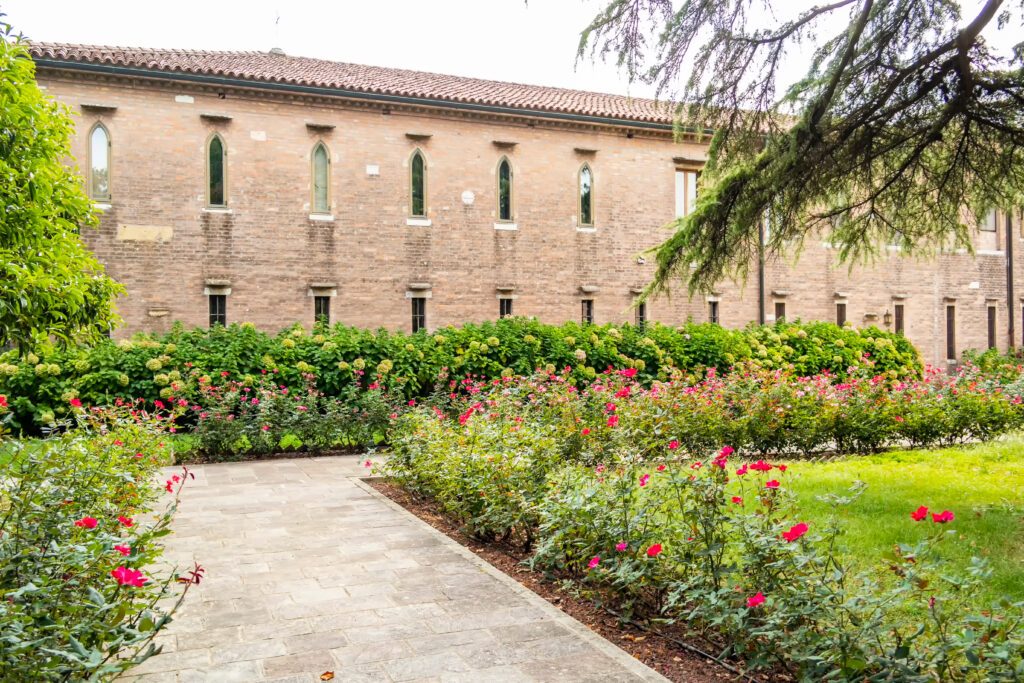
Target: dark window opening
{"x":215,"y":172}
{"x":588,"y":311}
{"x":898,"y":308}
{"x":504,"y":308}
{"x":840,"y":314}
{"x":322,"y":310}
{"x":641,"y":314}
{"x":586,"y":196}
{"x":780,"y":311}
{"x":713,"y":312}
{"x":218,"y":309}
{"x":418,"y":186}
{"x":991,"y":327}
{"x":951,"y":333}
{"x":504,"y":190}
{"x":419,"y":314}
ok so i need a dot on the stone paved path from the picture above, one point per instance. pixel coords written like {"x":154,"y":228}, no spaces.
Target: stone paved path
{"x":309,"y":570}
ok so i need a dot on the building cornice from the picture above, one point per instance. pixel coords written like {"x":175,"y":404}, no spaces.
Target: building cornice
{"x":376,"y":100}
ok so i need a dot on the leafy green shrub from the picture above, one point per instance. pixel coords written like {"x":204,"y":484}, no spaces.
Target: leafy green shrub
{"x":235,"y":419}
{"x":616,"y":487}
{"x":76,"y":539}
{"x":159,"y":367}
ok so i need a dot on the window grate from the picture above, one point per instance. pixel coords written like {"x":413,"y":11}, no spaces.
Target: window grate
{"x":504,"y":307}
{"x":218,"y":310}
{"x":419,"y":314}
{"x":713,"y":312}
{"x":587,"y":314}
{"x":322,"y":310}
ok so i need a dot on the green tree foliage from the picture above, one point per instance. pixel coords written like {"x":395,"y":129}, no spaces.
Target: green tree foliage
{"x":906,"y":122}
{"x":51,"y":286}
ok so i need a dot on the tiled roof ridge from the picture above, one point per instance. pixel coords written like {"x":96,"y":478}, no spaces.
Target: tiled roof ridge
{"x":281,"y":68}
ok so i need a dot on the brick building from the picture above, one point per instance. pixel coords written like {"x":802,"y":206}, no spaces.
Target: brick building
{"x":245,"y":186}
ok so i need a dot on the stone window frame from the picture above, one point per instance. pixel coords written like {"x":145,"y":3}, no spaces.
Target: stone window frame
{"x":223,"y":168}
{"x":426,"y":206}
{"x":99,"y":125}
{"x":579,"y":196}
{"x":511,"y":191}
{"x":313,"y":208}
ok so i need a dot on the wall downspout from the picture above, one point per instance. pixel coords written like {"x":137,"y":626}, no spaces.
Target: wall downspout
{"x":760,"y":272}
{"x":1010,"y":305}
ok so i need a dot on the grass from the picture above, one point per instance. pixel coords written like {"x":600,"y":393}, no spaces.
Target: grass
{"x":982,"y":484}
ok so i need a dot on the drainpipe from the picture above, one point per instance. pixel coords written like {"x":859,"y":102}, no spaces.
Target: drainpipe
{"x":760,"y":272}
{"x":1010,"y":305}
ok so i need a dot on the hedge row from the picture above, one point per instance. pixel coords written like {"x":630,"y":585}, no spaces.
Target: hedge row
{"x":40,"y":384}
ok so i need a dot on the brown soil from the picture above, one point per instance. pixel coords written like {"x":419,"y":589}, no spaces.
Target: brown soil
{"x":656,"y":650}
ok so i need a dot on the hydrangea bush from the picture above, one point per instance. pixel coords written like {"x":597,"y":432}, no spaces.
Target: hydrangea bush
{"x":157,"y":367}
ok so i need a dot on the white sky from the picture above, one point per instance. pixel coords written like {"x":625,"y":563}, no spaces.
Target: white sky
{"x":508,"y":40}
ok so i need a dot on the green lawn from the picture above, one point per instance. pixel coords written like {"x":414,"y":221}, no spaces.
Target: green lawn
{"x":983,"y":485}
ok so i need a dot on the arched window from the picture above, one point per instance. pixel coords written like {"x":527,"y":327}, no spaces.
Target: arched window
{"x":216,"y":172}
{"x":418,"y":185}
{"x":99,"y":163}
{"x":321,"y":179}
{"x":586,"y":196}
{"x":504,"y":190}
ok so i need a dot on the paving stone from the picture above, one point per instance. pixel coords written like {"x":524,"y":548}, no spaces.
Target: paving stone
{"x":422,"y":666}
{"x":308,"y":571}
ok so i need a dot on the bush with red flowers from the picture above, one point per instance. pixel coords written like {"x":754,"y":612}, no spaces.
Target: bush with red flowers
{"x":80,"y":598}
{"x":652,"y":514}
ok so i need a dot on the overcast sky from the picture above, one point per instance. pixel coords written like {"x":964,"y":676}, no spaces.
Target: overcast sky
{"x":507,"y":40}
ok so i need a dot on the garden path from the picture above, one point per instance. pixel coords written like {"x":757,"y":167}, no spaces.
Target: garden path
{"x":310,"y":570}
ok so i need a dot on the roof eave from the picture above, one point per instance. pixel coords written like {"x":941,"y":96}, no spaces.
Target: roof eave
{"x":210,"y":79}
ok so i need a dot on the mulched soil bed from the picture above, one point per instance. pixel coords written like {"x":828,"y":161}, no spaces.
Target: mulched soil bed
{"x":654,"y":650}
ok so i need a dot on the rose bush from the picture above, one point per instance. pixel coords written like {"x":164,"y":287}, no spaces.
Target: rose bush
{"x":618,"y":491}
{"x":78,"y":541}
{"x":156,"y":367}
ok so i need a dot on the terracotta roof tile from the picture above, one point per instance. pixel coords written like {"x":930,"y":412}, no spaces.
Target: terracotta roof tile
{"x":306,"y":71}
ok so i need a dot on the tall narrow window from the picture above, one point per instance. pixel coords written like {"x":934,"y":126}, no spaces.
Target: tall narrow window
{"x":419,"y":313}
{"x":418,"y":185}
{"x":713,"y":312}
{"x":899,"y":319}
{"x":950,"y":332}
{"x":215,"y":172}
{"x":504,"y":190}
{"x":587,"y":314}
{"x":586,"y":196}
{"x":322,"y":310}
{"x":641,"y":315}
{"x":991,"y":327}
{"x":840,"y":314}
{"x":99,"y":163}
{"x":218,"y":309}
{"x":780,"y":311}
{"x":321,"y":179}
{"x":505,"y":307}
{"x":990,"y":223}
{"x":686,"y":191}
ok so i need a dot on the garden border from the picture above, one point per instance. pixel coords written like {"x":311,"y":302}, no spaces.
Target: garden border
{"x":602,"y":644}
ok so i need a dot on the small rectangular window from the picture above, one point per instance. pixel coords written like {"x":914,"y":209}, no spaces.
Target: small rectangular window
{"x":951,"y":333}
{"x":641,"y":314}
{"x":840,"y":314}
{"x":991,"y":327}
{"x":419,"y":313}
{"x":991,"y":222}
{"x":686,"y":191}
{"x":218,"y":309}
{"x":588,"y":311}
{"x":505,"y":307}
{"x":322,"y":309}
{"x":780,"y":311}
{"x":713,"y":312}
{"x":899,"y":324}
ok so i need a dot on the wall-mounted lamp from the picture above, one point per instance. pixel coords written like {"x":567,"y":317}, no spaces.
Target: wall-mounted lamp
{"x":887,"y":318}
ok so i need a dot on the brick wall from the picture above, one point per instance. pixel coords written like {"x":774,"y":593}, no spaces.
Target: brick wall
{"x":158,"y":238}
